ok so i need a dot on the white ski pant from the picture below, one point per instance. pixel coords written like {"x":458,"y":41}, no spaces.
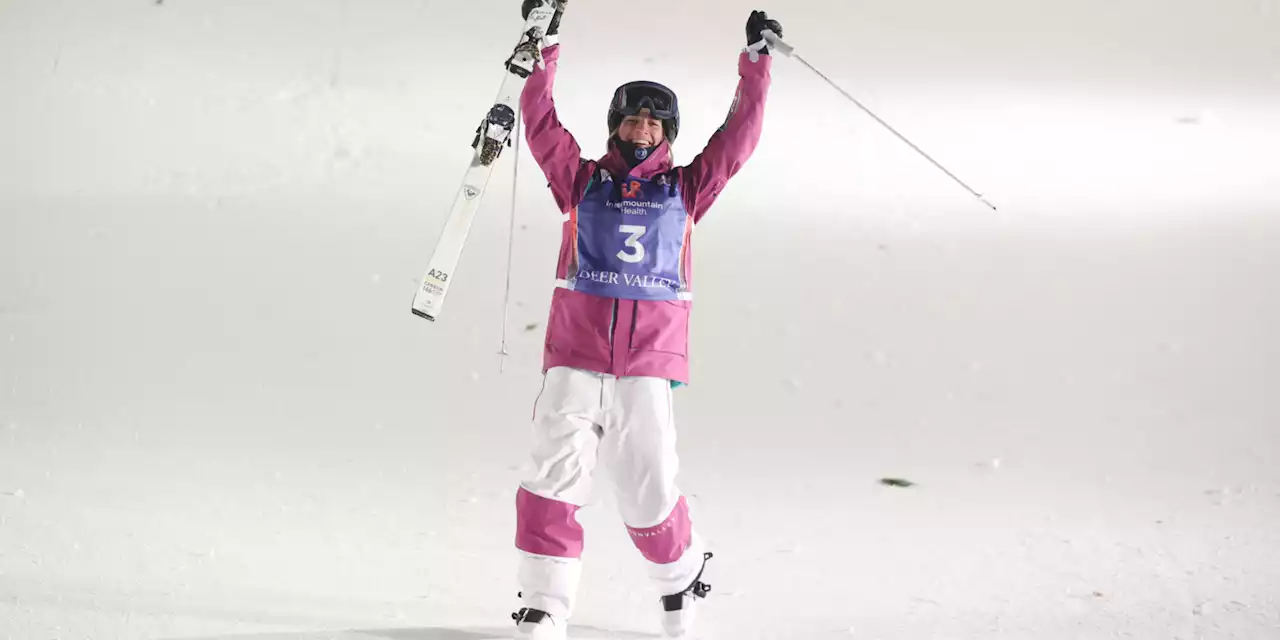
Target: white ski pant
{"x":625,"y":426}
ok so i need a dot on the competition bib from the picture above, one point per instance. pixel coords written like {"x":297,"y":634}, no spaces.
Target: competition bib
{"x":630,"y":240}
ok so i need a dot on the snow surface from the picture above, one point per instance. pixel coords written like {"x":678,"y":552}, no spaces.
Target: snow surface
{"x":219,"y":420}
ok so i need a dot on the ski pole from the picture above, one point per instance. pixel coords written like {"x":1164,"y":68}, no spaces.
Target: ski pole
{"x":789,"y":51}
{"x":511,"y":243}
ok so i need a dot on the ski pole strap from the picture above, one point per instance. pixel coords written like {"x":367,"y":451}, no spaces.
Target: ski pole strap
{"x":753,"y":50}
{"x":777,"y":43}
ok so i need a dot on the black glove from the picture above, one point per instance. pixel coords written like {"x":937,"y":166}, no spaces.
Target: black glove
{"x":757,"y":23}
{"x":530,"y":5}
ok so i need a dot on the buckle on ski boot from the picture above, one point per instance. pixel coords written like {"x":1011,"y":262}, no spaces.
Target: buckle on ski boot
{"x":698,"y":589}
{"x":526,"y":614}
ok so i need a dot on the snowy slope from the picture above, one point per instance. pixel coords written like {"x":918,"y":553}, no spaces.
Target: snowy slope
{"x":218,"y":418}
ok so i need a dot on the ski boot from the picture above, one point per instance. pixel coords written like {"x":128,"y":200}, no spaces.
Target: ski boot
{"x":533,"y":624}
{"x":678,"y":609}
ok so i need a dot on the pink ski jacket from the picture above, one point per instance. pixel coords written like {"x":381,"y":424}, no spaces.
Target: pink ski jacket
{"x":617,"y":336}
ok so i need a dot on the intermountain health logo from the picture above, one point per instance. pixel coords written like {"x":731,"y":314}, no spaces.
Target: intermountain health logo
{"x":632,"y":190}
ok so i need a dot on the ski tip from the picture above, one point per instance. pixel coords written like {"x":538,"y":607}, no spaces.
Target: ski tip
{"x":421,"y":314}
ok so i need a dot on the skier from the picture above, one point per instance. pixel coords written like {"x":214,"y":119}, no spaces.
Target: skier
{"x":617,"y":338}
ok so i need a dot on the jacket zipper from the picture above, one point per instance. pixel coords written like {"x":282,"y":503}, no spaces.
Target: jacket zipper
{"x":613,"y":324}
{"x":635,"y":315}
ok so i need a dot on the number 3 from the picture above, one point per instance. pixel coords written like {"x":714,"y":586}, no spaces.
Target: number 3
{"x":632,"y":242}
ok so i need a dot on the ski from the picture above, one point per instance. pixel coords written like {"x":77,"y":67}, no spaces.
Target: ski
{"x":493,"y":134}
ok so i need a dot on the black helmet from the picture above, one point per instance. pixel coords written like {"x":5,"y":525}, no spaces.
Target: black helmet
{"x":631,"y":97}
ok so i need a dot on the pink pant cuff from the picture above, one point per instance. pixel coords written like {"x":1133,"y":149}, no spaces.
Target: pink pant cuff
{"x":547,"y":527}
{"x":665,"y":542}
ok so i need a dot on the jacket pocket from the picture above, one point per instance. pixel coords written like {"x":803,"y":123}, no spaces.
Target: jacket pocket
{"x":579,"y":324}
{"x":661,"y":325}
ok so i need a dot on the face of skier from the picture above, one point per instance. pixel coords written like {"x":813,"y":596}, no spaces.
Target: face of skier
{"x":642,"y":129}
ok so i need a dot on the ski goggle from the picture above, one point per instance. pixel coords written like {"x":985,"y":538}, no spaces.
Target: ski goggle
{"x":630,"y":98}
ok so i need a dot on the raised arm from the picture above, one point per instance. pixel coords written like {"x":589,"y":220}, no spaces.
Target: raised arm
{"x":733,"y":143}
{"x":551,"y":144}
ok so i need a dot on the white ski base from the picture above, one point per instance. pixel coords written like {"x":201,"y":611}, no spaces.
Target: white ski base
{"x":430,"y":295}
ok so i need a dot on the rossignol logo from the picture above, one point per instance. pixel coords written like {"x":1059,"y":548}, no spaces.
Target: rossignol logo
{"x":470,"y":192}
